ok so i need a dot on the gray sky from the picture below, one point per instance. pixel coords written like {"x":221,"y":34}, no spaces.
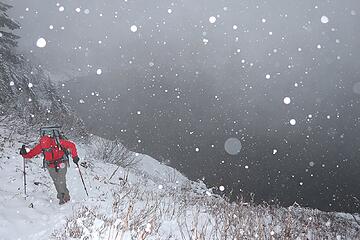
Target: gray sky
{"x":262,"y":27}
{"x":232,"y":63}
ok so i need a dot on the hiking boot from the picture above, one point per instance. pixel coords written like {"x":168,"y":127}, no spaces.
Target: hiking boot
{"x":67,"y":198}
{"x":64,"y":199}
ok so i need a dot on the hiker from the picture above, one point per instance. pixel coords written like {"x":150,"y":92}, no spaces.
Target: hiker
{"x":56,"y":161}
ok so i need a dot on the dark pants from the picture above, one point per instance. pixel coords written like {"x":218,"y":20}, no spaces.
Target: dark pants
{"x":59,"y":179}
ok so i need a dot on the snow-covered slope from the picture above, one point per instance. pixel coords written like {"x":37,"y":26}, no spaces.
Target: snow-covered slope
{"x":150,"y":201}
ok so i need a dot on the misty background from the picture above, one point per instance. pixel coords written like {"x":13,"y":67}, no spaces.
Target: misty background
{"x":249,"y":96}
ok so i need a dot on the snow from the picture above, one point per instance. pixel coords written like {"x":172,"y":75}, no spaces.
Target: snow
{"x":61,"y":9}
{"x":267,"y":76}
{"x":30,"y":85}
{"x":324,"y":19}
{"x":133,"y":28}
{"x":149,"y":199}
{"x":212,"y":19}
{"x":287,"y":100}
{"x":98,"y":71}
{"x":292,"y":122}
{"x":41,"y":43}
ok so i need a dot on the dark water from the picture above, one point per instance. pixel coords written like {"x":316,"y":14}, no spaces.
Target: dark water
{"x":181,"y":123}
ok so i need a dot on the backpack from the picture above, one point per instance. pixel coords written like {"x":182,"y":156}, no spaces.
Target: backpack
{"x":55,"y":133}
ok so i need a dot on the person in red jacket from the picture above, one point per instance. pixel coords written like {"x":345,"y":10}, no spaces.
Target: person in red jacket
{"x":56,"y":160}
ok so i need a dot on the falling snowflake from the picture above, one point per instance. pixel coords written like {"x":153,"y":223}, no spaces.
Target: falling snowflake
{"x":99,"y":71}
{"x":61,"y":9}
{"x":212,"y":19}
{"x":41,"y":42}
{"x":78,"y":10}
{"x":81,"y":101}
{"x":292,"y":122}
{"x":86,"y":11}
{"x":30,"y":85}
{"x":287,"y":100}
{"x":267,"y":76}
{"x":324,"y":19}
{"x":133,"y":28}
{"x":235,"y":27}
{"x":222,"y":188}
{"x":274,"y":151}
{"x":169,"y":11}
{"x":12,"y":83}
{"x":51,"y":27}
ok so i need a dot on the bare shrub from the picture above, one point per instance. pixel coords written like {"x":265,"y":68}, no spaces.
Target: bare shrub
{"x":114,"y":152}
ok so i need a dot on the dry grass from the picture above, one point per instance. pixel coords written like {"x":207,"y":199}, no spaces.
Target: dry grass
{"x":140,"y":214}
{"x":114,"y":152}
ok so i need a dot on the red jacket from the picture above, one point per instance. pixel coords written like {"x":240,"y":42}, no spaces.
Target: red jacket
{"x":51,"y":151}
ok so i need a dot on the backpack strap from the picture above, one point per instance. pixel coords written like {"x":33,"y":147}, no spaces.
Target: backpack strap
{"x":57,"y":140}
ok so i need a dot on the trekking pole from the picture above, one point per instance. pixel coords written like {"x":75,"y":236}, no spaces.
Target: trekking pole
{"x":24,"y":178}
{"x":23,"y":151}
{"x":82,"y":179}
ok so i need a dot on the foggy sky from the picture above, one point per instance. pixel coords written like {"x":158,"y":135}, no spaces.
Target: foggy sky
{"x":314,"y":63}
{"x":177,"y":37}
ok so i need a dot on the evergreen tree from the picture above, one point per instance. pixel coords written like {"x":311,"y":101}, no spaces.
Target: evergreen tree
{"x":7,"y":38}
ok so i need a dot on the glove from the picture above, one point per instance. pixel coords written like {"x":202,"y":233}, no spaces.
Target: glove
{"x":23,"y":150}
{"x":76,"y":160}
